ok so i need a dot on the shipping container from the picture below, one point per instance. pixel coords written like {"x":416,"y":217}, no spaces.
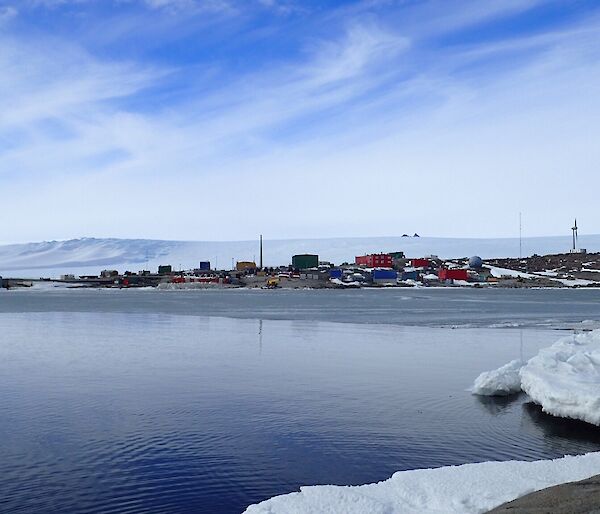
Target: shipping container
{"x":410,"y":275}
{"x":336,"y":273}
{"x":305,"y":261}
{"x":453,"y":274}
{"x":385,"y":274}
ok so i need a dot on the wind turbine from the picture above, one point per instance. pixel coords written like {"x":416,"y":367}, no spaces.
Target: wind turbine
{"x":574,"y":229}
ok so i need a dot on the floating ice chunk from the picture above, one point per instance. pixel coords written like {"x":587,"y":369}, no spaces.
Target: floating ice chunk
{"x":565,"y":378}
{"x":466,"y":489}
{"x":499,"y":382}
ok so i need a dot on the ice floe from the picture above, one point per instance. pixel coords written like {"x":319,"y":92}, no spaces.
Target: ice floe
{"x":564,"y":378}
{"x":465,"y":489}
{"x":499,"y":382}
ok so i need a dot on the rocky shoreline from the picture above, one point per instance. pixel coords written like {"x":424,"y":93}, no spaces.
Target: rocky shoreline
{"x":581,"y":497}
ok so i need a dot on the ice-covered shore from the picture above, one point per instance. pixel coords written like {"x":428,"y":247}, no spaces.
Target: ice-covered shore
{"x":466,"y":489}
{"x":564,"y":378}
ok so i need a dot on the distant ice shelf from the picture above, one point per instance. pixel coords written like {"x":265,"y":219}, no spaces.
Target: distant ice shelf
{"x":466,"y":489}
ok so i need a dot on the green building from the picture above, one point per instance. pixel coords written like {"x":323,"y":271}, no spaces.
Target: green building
{"x":397,"y":255}
{"x":305,"y":261}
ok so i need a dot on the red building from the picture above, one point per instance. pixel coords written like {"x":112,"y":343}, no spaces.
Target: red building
{"x":420,"y":263}
{"x":453,"y":274}
{"x":375,"y":260}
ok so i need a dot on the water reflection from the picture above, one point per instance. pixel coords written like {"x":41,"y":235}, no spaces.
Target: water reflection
{"x":556,"y":428}
{"x":497,"y":405}
{"x":260,"y":336}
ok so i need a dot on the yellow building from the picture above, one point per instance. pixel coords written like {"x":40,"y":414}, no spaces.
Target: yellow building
{"x":245,"y":265}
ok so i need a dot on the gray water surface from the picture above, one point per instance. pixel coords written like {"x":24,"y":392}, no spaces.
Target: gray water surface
{"x":431,"y":307}
{"x":207,"y":401}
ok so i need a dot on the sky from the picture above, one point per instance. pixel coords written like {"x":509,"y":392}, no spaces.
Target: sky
{"x":223,"y":119}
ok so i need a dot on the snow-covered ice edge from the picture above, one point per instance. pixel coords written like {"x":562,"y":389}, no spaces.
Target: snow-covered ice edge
{"x":465,"y":489}
{"x":499,"y":382}
{"x":564,"y":378}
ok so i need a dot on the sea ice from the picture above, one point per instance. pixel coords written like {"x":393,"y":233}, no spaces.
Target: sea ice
{"x":499,"y":382}
{"x":466,"y":489}
{"x":565,"y":378}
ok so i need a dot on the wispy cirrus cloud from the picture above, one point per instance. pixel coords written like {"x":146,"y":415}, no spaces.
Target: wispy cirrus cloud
{"x":361,"y":108}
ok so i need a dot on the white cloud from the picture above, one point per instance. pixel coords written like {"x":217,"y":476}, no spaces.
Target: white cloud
{"x":355,"y":138}
{"x":172,"y":5}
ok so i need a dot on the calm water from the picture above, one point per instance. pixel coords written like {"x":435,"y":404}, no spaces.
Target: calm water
{"x":148,"y":401}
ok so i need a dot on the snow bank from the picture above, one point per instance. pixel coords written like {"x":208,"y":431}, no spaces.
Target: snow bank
{"x":470,"y":488}
{"x":499,"y":382}
{"x":565,"y":378}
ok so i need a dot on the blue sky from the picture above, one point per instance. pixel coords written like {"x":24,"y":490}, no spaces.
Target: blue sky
{"x":220,"y":119}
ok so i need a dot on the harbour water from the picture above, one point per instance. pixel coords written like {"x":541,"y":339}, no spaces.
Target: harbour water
{"x":207,"y":401}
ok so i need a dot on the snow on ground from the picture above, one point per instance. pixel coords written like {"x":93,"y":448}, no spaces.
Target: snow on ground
{"x":339,"y":282}
{"x":89,"y":255}
{"x":564,"y":378}
{"x":574,"y":282}
{"x":505,"y":272}
{"x":499,"y":382}
{"x":511,"y":273}
{"x":466,"y":489}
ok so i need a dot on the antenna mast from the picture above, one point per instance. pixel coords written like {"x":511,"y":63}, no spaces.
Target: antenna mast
{"x":520,"y":237}
{"x":261,"y":252}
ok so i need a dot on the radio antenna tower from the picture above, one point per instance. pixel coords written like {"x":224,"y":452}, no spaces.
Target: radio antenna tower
{"x":520,"y":237}
{"x":261,"y":253}
{"x":574,"y":229}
